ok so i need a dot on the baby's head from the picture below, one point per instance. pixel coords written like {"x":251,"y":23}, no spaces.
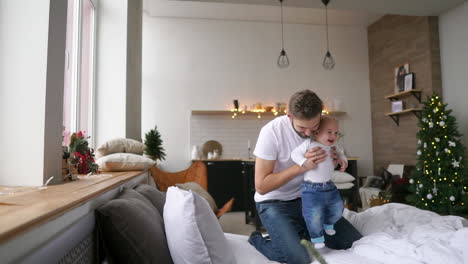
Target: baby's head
{"x":327,"y":133}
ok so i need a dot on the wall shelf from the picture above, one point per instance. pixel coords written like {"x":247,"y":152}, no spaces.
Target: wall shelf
{"x":415,"y":92}
{"x":395,"y":116}
{"x":249,"y":113}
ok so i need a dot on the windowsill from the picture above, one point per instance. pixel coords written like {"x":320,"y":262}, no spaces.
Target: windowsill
{"x":22,"y":208}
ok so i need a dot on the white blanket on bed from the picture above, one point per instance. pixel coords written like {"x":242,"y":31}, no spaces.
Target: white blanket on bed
{"x":394,"y":234}
{"x":402,"y":234}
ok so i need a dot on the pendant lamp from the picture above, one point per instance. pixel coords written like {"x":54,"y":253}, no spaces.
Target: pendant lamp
{"x":283,"y":60}
{"x":328,"y":61}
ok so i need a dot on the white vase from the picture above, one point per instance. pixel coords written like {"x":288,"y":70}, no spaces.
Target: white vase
{"x":195,"y":153}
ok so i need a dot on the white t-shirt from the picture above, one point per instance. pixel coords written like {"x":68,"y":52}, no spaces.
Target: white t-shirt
{"x":324,"y":170}
{"x":276,"y":141}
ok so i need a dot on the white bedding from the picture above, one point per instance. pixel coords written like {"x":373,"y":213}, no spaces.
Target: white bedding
{"x":393,"y":233}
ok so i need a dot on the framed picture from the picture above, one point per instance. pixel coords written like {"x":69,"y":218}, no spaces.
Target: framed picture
{"x":397,"y":106}
{"x":409,"y":81}
{"x":399,"y":76}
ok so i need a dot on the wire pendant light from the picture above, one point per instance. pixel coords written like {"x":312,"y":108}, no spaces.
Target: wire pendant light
{"x":328,"y":61}
{"x":283,"y":60}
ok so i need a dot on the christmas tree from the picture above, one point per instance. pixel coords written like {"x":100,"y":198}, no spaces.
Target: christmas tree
{"x":440,"y":180}
{"x":153,"y":145}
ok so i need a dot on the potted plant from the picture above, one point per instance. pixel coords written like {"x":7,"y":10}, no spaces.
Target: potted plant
{"x":82,"y":156}
{"x":153,"y":145}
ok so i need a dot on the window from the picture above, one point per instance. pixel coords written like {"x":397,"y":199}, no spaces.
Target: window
{"x":78,"y":103}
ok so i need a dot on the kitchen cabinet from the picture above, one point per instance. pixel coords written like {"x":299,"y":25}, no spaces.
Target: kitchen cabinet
{"x":225,"y":181}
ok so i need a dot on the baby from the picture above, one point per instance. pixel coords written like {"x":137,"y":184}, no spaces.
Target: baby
{"x":322,"y":206}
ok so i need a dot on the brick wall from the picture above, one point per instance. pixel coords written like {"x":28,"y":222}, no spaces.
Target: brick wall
{"x":231,"y":133}
{"x":395,"y":40}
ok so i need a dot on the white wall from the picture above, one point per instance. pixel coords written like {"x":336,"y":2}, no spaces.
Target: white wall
{"x":453,"y":28}
{"x":196,"y":64}
{"x":31,"y":51}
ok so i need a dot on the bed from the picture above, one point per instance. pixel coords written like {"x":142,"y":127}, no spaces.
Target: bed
{"x":395,"y":233}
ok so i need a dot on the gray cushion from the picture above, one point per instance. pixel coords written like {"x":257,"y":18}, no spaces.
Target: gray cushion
{"x":155,"y":196}
{"x":132,"y":230}
{"x":195,"y":187}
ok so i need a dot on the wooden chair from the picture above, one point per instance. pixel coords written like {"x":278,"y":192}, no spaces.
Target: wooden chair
{"x":197,"y":172}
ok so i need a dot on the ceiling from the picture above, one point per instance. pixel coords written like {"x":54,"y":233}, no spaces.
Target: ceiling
{"x":341,"y":12}
{"x":400,"y":7}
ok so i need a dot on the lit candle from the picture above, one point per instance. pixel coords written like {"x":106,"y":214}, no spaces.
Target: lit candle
{"x":248,"y":143}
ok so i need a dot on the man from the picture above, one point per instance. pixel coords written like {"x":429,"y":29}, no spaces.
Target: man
{"x":278,"y":179}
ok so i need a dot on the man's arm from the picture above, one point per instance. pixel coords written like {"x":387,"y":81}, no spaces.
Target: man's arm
{"x":267,"y":181}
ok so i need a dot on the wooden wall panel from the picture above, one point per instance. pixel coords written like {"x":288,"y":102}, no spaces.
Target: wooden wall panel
{"x":394,"y":40}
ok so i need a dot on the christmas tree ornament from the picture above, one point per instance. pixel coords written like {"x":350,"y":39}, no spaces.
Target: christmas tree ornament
{"x":419,"y":152}
{"x":437,"y":153}
{"x":437,"y":139}
{"x":441,"y":123}
{"x":456,"y":164}
{"x":421,"y":185}
{"x":446,"y":150}
{"x":425,"y":145}
{"x":419,"y":141}
{"x":411,"y":181}
{"x":452,"y":198}
{"x":452,"y":144}
{"x":431,"y":125}
{"x":429,"y":196}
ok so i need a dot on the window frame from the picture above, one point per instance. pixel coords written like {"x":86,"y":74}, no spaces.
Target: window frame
{"x":75,"y":62}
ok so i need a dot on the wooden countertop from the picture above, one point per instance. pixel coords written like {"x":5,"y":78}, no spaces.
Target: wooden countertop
{"x":22,"y":208}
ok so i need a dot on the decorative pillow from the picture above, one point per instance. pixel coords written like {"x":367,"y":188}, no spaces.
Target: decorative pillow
{"x":193,"y":186}
{"x":124,"y":162}
{"x":132,"y":230}
{"x":155,"y":196}
{"x":344,"y":185}
{"x":341,"y":177}
{"x":120,"y":145}
{"x":194,"y":234}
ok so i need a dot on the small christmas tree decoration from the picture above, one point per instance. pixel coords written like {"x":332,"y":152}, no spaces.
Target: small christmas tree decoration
{"x":153,"y":145}
{"x":441,"y":175}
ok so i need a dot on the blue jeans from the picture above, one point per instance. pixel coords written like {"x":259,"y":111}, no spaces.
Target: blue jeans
{"x":322,"y":207}
{"x":284,"y":222}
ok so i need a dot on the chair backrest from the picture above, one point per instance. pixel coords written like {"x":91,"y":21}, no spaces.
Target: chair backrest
{"x":396,"y":169}
{"x":197,"y":172}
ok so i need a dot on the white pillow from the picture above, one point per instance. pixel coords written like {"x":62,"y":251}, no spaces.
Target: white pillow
{"x":195,"y":187}
{"x":120,"y":145}
{"x":340,"y":177}
{"x":194,"y":235}
{"x":124,"y":162}
{"x":344,"y":185}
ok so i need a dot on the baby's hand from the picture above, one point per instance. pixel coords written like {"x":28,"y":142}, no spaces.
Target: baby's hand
{"x":343,"y":164}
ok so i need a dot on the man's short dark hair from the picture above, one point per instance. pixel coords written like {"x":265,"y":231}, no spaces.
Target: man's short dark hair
{"x":305,"y":105}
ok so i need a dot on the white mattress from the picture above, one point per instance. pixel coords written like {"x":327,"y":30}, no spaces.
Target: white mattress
{"x":393,"y":233}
